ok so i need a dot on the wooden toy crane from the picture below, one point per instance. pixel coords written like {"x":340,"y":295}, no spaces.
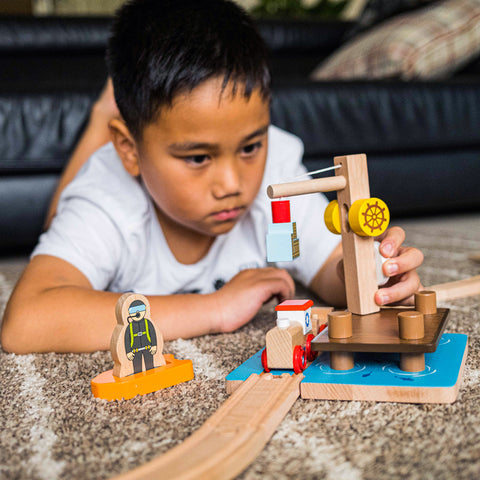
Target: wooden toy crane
{"x":357,"y":217}
{"x":364,"y":327}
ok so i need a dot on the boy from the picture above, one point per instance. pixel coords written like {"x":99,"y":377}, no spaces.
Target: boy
{"x":175,"y":205}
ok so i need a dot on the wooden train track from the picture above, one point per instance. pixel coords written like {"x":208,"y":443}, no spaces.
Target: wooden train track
{"x":232,"y":437}
{"x":459,"y":289}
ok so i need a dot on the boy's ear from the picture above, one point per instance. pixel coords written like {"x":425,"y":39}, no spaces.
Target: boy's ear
{"x":125,"y":146}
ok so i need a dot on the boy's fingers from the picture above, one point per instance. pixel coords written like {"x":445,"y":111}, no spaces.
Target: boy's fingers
{"x":276,"y":282}
{"x":409,"y":259}
{"x":391,"y":241}
{"x":402,"y":292}
{"x":286,"y":284}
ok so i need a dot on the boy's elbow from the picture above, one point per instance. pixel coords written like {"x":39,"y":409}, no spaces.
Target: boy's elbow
{"x":13,"y":335}
{"x":8,"y":340}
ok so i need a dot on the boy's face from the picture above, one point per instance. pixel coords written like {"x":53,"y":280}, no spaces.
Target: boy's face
{"x":203,"y":159}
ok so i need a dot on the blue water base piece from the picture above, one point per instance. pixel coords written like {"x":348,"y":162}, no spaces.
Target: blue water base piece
{"x":377,"y":376}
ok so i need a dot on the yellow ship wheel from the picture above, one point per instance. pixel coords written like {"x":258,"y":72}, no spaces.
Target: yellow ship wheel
{"x":332,"y":217}
{"x":369,"y":217}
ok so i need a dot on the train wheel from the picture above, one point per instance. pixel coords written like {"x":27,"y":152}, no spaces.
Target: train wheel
{"x":311,"y":354}
{"x":299,"y":359}
{"x":264,"y":360}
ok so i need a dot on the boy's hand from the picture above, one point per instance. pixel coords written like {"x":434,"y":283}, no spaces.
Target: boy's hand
{"x":400,"y":267}
{"x":242,"y":297}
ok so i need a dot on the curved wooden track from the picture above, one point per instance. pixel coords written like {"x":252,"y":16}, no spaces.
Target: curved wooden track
{"x":232,"y":437}
{"x":459,"y":289}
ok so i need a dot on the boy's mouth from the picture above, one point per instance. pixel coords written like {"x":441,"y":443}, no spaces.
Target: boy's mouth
{"x":226,"y":215}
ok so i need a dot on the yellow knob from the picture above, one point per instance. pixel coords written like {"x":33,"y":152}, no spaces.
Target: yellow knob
{"x":369,"y":217}
{"x":332,"y":217}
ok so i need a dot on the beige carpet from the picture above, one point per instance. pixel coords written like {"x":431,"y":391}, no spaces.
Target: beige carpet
{"x":51,"y":427}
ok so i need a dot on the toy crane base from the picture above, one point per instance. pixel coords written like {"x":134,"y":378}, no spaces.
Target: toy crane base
{"x":109,"y":387}
{"x":377,"y":376}
{"x":379,"y":332}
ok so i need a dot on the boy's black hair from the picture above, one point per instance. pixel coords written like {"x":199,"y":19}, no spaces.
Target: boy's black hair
{"x":161,"y":48}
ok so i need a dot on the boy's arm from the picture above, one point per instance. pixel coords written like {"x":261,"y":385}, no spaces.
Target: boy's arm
{"x":400,"y":267}
{"x":54,"y":308}
{"x":96,"y":134}
{"x":328,"y":284}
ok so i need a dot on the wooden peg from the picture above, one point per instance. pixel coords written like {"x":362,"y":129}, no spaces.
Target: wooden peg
{"x":319,"y":318}
{"x":340,"y":326}
{"x":341,"y":360}
{"x":325,"y":184}
{"x":411,"y":327}
{"x":412,"y":362}
{"x":426,"y":302}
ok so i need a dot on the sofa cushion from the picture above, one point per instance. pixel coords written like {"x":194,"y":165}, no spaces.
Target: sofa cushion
{"x":19,"y":34}
{"x":334,"y":118}
{"x":39,"y":131}
{"x":431,"y":43}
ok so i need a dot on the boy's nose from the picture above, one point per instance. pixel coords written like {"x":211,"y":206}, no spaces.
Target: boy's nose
{"x":226,"y":181}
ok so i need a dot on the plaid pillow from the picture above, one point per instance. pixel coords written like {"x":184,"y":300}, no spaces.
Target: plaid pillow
{"x":376,"y":11}
{"x":427,"y":44}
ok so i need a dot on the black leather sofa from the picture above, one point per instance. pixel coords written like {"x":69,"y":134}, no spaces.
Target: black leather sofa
{"x":422,"y":138}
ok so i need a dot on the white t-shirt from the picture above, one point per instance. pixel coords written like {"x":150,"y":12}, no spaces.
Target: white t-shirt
{"x":107,"y":228}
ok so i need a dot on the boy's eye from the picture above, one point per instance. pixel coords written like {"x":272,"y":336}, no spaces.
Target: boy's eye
{"x":252,"y":148}
{"x":196,"y":159}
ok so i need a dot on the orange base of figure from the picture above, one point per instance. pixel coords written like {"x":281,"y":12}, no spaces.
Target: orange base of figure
{"x":109,"y":387}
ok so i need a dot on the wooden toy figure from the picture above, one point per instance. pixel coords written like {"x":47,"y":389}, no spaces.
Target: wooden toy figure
{"x":141,"y":341}
{"x":137,"y":343}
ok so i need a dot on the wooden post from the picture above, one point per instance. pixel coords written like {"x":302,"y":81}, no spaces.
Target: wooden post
{"x":340,"y":326}
{"x":426,"y":302}
{"x":411,"y":327}
{"x":358,"y":252}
